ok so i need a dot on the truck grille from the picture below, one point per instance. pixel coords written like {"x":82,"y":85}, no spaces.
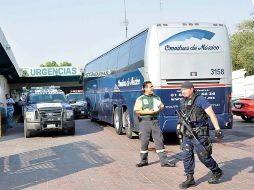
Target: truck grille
{"x":50,"y":112}
{"x":51,"y":116}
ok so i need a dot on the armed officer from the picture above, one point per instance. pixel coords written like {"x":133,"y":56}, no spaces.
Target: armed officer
{"x":197,"y":110}
{"x":147,"y":107}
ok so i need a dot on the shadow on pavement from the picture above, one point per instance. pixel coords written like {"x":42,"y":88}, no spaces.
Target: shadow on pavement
{"x":27,"y":169}
{"x":232,"y":168}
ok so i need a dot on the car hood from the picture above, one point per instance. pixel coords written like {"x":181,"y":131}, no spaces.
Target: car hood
{"x":78,"y":103}
{"x":48,"y":105}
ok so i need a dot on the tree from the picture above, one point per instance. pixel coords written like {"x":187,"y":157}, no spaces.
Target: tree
{"x":50,"y":64}
{"x":65,"y":64}
{"x":55,"y":64}
{"x":242,"y":47}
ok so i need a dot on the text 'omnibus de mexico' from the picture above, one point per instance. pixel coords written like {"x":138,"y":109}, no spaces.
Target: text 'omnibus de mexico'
{"x":167,"y":55}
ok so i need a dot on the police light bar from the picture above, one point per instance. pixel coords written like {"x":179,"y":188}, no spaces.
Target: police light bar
{"x":45,"y":87}
{"x":76,"y":91}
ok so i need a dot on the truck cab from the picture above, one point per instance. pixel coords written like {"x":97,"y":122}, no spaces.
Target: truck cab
{"x":47,"y":109}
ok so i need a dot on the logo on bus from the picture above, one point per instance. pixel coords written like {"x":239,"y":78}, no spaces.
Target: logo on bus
{"x":172,"y":43}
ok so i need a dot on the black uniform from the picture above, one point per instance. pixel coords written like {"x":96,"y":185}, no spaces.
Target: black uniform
{"x":194,"y":108}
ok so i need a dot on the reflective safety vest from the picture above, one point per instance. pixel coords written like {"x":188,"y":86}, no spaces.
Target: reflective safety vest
{"x":149,"y":102}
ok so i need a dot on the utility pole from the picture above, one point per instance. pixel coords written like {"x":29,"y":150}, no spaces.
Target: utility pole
{"x":160,"y":10}
{"x":125,"y":21}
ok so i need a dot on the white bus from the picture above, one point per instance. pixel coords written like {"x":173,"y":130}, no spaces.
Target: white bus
{"x":166,"y":55}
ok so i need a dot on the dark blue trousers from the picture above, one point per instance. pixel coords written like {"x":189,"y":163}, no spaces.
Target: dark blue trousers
{"x":191,"y":144}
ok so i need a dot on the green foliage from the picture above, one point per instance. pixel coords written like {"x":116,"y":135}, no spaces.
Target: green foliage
{"x":242,"y":47}
{"x":65,"y":64}
{"x":246,"y":25}
{"x":55,"y":64}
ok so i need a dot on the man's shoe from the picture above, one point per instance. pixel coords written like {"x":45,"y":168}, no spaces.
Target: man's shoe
{"x":141,"y":164}
{"x":189,"y":182}
{"x":215,"y":178}
{"x":168,"y":164}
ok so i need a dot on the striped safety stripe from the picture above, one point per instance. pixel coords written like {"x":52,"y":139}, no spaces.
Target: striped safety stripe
{"x":161,"y":150}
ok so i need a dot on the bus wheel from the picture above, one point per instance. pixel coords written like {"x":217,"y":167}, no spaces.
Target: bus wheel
{"x":90,"y":116}
{"x":127,"y":124}
{"x":117,"y":124}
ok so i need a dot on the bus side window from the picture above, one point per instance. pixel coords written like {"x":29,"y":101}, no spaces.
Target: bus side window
{"x":123,"y":55}
{"x":112,"y":61}
{"x":137,"y":50}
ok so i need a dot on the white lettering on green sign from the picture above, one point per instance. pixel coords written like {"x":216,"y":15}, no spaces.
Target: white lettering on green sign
{"x":50,"y":71}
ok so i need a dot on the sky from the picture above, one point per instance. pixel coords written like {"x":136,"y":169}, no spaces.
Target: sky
{"x":77,"y":31}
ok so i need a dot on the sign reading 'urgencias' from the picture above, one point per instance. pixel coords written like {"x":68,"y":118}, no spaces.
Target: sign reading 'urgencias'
{"x":50,"y":71}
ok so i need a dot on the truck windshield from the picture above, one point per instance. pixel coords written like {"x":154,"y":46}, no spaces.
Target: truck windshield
{"x":76,"y":97}
{"x":34,"y":98}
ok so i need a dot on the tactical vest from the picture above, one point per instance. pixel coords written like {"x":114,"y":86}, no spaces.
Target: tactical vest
{"x":198,"y":115}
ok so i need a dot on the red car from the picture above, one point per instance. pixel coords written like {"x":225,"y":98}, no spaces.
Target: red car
{"x":244,"y":107}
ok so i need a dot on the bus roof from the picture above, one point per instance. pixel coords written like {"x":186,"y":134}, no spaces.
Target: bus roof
{"x":172,"y":24}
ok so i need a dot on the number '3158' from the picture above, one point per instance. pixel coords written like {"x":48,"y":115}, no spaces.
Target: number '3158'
{"x":217,"y":72}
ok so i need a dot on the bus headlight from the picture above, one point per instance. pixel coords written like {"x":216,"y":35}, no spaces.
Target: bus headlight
{"x":69,"y":114}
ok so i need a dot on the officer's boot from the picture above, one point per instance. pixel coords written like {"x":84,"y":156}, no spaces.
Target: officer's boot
{"x":165,"y":162}
{"x":190,"y":182}
{"x":215,"y":178}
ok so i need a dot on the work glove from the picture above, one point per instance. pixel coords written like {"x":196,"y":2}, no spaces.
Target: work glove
{"x":219,"y":134}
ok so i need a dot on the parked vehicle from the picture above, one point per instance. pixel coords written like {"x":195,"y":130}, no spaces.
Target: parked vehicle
{"x":244,"y":107}
{"x":46,"y":109}
{"x":79,"y":105}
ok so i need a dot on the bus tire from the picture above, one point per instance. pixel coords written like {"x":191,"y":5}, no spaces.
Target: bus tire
{"x":127,"y":124}
{"x":90,"y":116}
{"x":118,"y":126}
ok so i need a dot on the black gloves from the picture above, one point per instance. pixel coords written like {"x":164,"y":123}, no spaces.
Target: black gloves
{"x":178,"y":133}
{"x":219,"y":134}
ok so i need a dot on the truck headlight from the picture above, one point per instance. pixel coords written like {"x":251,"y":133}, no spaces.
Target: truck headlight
{"x":30,"y":116}
{"x":69,"y":114}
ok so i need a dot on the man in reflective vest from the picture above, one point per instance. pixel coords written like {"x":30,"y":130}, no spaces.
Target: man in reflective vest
{"x":147,"y":107}
{"x":197,"y":109}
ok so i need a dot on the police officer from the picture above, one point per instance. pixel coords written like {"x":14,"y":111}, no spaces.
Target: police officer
{"x":198,"y":109}
{"x":10,"y":110}
{"x":147,"y":107}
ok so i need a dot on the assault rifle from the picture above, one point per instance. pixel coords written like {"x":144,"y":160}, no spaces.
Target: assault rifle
{"x":185,"y":121}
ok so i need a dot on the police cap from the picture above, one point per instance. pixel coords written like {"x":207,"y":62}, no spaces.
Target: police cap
{"x":187,"y":84}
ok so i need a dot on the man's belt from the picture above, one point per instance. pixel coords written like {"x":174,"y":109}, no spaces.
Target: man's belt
{"x":148,"y":118}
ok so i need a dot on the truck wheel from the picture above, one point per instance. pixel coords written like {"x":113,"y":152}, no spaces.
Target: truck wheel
{"x":71,"y":131}
{"x":127,"y":124}
{"x":27,"y":133}
{"x":118,"y":126}
{"x":246,"y":118}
